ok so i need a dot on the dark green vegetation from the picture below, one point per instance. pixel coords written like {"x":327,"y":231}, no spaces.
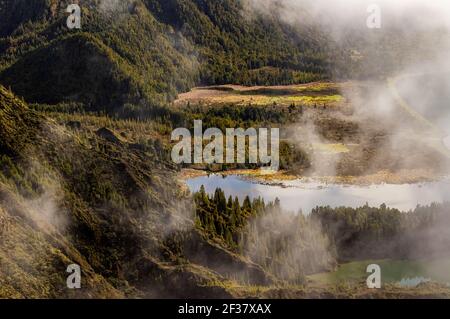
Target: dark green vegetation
{"x":132,"y":57}
{"x":380,"y":233}
{"x":69,"y":200}
{"x":72,"y":194}
{"x":80,"y":185}
{"x":73,"y":191}
{"x":232,"y":115}
{"x":290,"y":246}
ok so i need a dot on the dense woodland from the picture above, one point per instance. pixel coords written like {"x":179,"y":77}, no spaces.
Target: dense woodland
{"x":249,"y":116}
{"x":286,"y":245}
{"x":135,"y":57}
{"x":132,"y":58}
{"x":387,"y":233}
{"x":84,"y":171}
{"x":290,"y":245}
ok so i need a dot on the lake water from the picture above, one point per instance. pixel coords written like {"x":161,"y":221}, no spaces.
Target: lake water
{"x":299,"y":195}
{"x":404,"y":273}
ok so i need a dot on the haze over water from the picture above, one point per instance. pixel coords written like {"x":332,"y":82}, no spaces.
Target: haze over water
{"x":304,"y":196}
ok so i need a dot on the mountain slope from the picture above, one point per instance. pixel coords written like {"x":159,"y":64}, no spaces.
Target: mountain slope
{"x":31,"y":249}
{"x":149,"y":50}
{"x":96,"y":200}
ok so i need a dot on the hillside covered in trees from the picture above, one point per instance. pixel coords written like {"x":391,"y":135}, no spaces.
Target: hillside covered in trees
{"x":131,"y":57}
{"x":291,"y":246}
{"x":85,"y":171}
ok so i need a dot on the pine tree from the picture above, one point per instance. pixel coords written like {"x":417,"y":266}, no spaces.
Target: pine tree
{"x":247,"y":205}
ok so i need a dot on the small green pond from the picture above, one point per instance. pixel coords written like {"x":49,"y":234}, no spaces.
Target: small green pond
{"x":402,"y":272}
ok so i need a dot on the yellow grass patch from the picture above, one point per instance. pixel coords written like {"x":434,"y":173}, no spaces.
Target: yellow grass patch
{"x":331,"y":148}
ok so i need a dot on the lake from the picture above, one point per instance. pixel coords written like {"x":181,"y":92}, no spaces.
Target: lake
{"x":300,"y":195}
{"x":405,"y":273}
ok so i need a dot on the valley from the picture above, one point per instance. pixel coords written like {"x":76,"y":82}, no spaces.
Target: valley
{"x":298,"y":195}
{"x":335,"y":182}
{"x":333,"y":132}
{"x":87,"y":175}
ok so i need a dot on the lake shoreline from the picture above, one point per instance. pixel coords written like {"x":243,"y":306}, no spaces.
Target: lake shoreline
{"x":264,"y":177}
{"x":303,"y":195}
{"x":399,"y":272}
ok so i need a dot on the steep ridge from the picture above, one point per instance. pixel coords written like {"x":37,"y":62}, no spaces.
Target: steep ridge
{"x":72,"y":198}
